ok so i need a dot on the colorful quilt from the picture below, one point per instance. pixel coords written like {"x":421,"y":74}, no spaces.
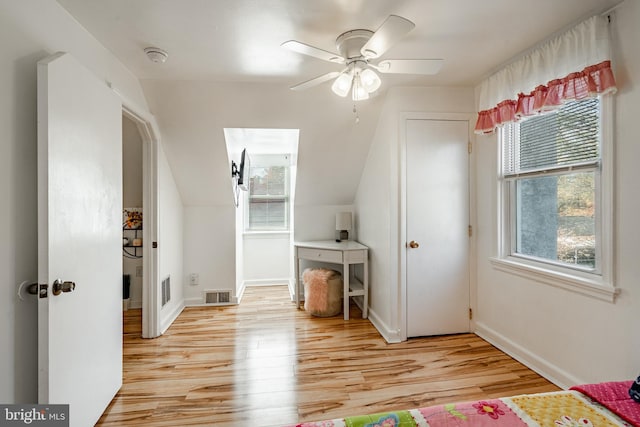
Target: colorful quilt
{"x":569,"y":408}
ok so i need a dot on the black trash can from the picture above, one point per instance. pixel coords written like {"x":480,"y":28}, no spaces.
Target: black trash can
{"x":126,"y":285}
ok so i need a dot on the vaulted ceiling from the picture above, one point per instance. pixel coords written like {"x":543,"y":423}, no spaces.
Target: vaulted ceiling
{"x":226,"y":68}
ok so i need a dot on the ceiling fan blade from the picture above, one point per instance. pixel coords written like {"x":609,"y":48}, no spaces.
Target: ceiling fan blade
{"x":392,"y":29}
{"x":409,"y":66}
{"x":306,"y":49}
{"x":316,"y":81}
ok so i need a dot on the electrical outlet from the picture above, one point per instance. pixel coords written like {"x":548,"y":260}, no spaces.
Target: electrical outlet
{"x":139,"y":271}
{"x":194,"y":278}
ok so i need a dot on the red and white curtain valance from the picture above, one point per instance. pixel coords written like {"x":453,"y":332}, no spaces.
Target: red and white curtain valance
{"x":573,"y":66}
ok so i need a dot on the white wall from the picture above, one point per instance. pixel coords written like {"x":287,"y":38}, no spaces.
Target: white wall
{"x":377,"y":200}
{"x":239,"y":259}
{"x":31,"y":30}
{"x":170,"y":241}
{"x":209,"y":249}
{"x":131,"y":165}
{"x":266,"y":258}
{"x":318,"y":222}
{"x":572,"y":338}
{"x":373,"y":209}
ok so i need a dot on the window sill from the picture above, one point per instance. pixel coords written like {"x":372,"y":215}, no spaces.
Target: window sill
{"x":594,"y":288}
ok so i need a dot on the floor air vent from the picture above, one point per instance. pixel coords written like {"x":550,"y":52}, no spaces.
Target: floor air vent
{"x":219,"y":297}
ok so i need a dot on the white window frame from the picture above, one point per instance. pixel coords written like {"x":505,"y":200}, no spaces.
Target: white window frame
{"x":597,"y":283}
{"x":286,"y":197}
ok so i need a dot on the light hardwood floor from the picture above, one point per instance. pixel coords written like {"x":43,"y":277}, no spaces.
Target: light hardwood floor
{"x":264,"y":363}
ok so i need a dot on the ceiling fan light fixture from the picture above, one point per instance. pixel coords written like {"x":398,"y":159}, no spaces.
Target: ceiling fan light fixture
{"x":370,"y":80}
{"x":342,"y":84}
{"x":357,"y":49}
{"x":358,"y":92}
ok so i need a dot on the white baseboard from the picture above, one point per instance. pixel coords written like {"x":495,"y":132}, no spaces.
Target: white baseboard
{"x":134,"y":303}
{"x":193,"y":302}
{"x":198,"y":302}
{"x":292,"y":291}
{"x":266,"y":282}
{"x":168,"y":320}
{"x":388,"y":334}
{"x":553,"y":373}
{"x":219,"y":304}
{"x":240,"y":293}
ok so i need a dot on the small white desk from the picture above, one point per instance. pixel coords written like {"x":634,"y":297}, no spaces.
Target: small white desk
{"x":346,"y":253}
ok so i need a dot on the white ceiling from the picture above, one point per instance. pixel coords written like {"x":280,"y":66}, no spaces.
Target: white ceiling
{"x":226,"y":69}
{"x":239,"y":40}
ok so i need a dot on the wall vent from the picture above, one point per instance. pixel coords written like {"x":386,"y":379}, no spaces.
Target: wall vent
{"x":217,"y":297}
{"x":166,"y":290}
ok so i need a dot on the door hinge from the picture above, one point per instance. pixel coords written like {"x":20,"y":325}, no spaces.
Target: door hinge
{"x":470,"y":230}
{"x":469,"y":147}
{"x":470,"y":313}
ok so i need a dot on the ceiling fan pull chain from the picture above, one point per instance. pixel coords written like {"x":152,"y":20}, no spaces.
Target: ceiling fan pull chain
{"x":355,"y":111}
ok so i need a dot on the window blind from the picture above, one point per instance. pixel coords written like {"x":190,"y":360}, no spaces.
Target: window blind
{"x":564,"y":139}
{"x":268,"y":197}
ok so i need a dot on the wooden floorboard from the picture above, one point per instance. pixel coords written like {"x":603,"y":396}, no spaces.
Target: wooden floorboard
{"x":264,"y":363}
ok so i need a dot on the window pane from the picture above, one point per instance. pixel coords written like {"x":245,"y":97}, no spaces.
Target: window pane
{"x":258,"y":214}
{"x":268,"y":198}
{"x":268,"y":181}
{"x":259,"y":181}
{"x":555,"y":218}
{"x":276,"y":181}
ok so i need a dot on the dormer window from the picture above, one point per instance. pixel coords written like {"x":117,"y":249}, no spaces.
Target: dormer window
{"x":268,"y":195}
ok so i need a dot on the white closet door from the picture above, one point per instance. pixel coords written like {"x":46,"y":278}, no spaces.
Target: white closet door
{"x":437,"y":168}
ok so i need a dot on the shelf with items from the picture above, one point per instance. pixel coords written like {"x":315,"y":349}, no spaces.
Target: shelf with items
{"x":132,"y":242}
{"x":132,"y":233}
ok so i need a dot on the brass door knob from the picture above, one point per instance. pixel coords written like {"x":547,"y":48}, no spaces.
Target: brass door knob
{"x":413,"y":244}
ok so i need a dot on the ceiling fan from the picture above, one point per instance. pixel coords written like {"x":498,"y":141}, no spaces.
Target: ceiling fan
{"x":357,"y":49}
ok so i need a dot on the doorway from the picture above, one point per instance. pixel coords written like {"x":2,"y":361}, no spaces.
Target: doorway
{"x":132,"y":227}
{"x":437,"y":226}
{"x":147,"y":131}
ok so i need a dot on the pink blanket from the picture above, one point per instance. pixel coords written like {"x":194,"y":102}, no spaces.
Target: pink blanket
{"x":614,"y":396}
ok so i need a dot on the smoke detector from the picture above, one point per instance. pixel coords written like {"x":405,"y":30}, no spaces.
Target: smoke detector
{"x":155,"y":54}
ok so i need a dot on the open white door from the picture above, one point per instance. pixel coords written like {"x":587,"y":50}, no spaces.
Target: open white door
{"x":79,"y":239}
